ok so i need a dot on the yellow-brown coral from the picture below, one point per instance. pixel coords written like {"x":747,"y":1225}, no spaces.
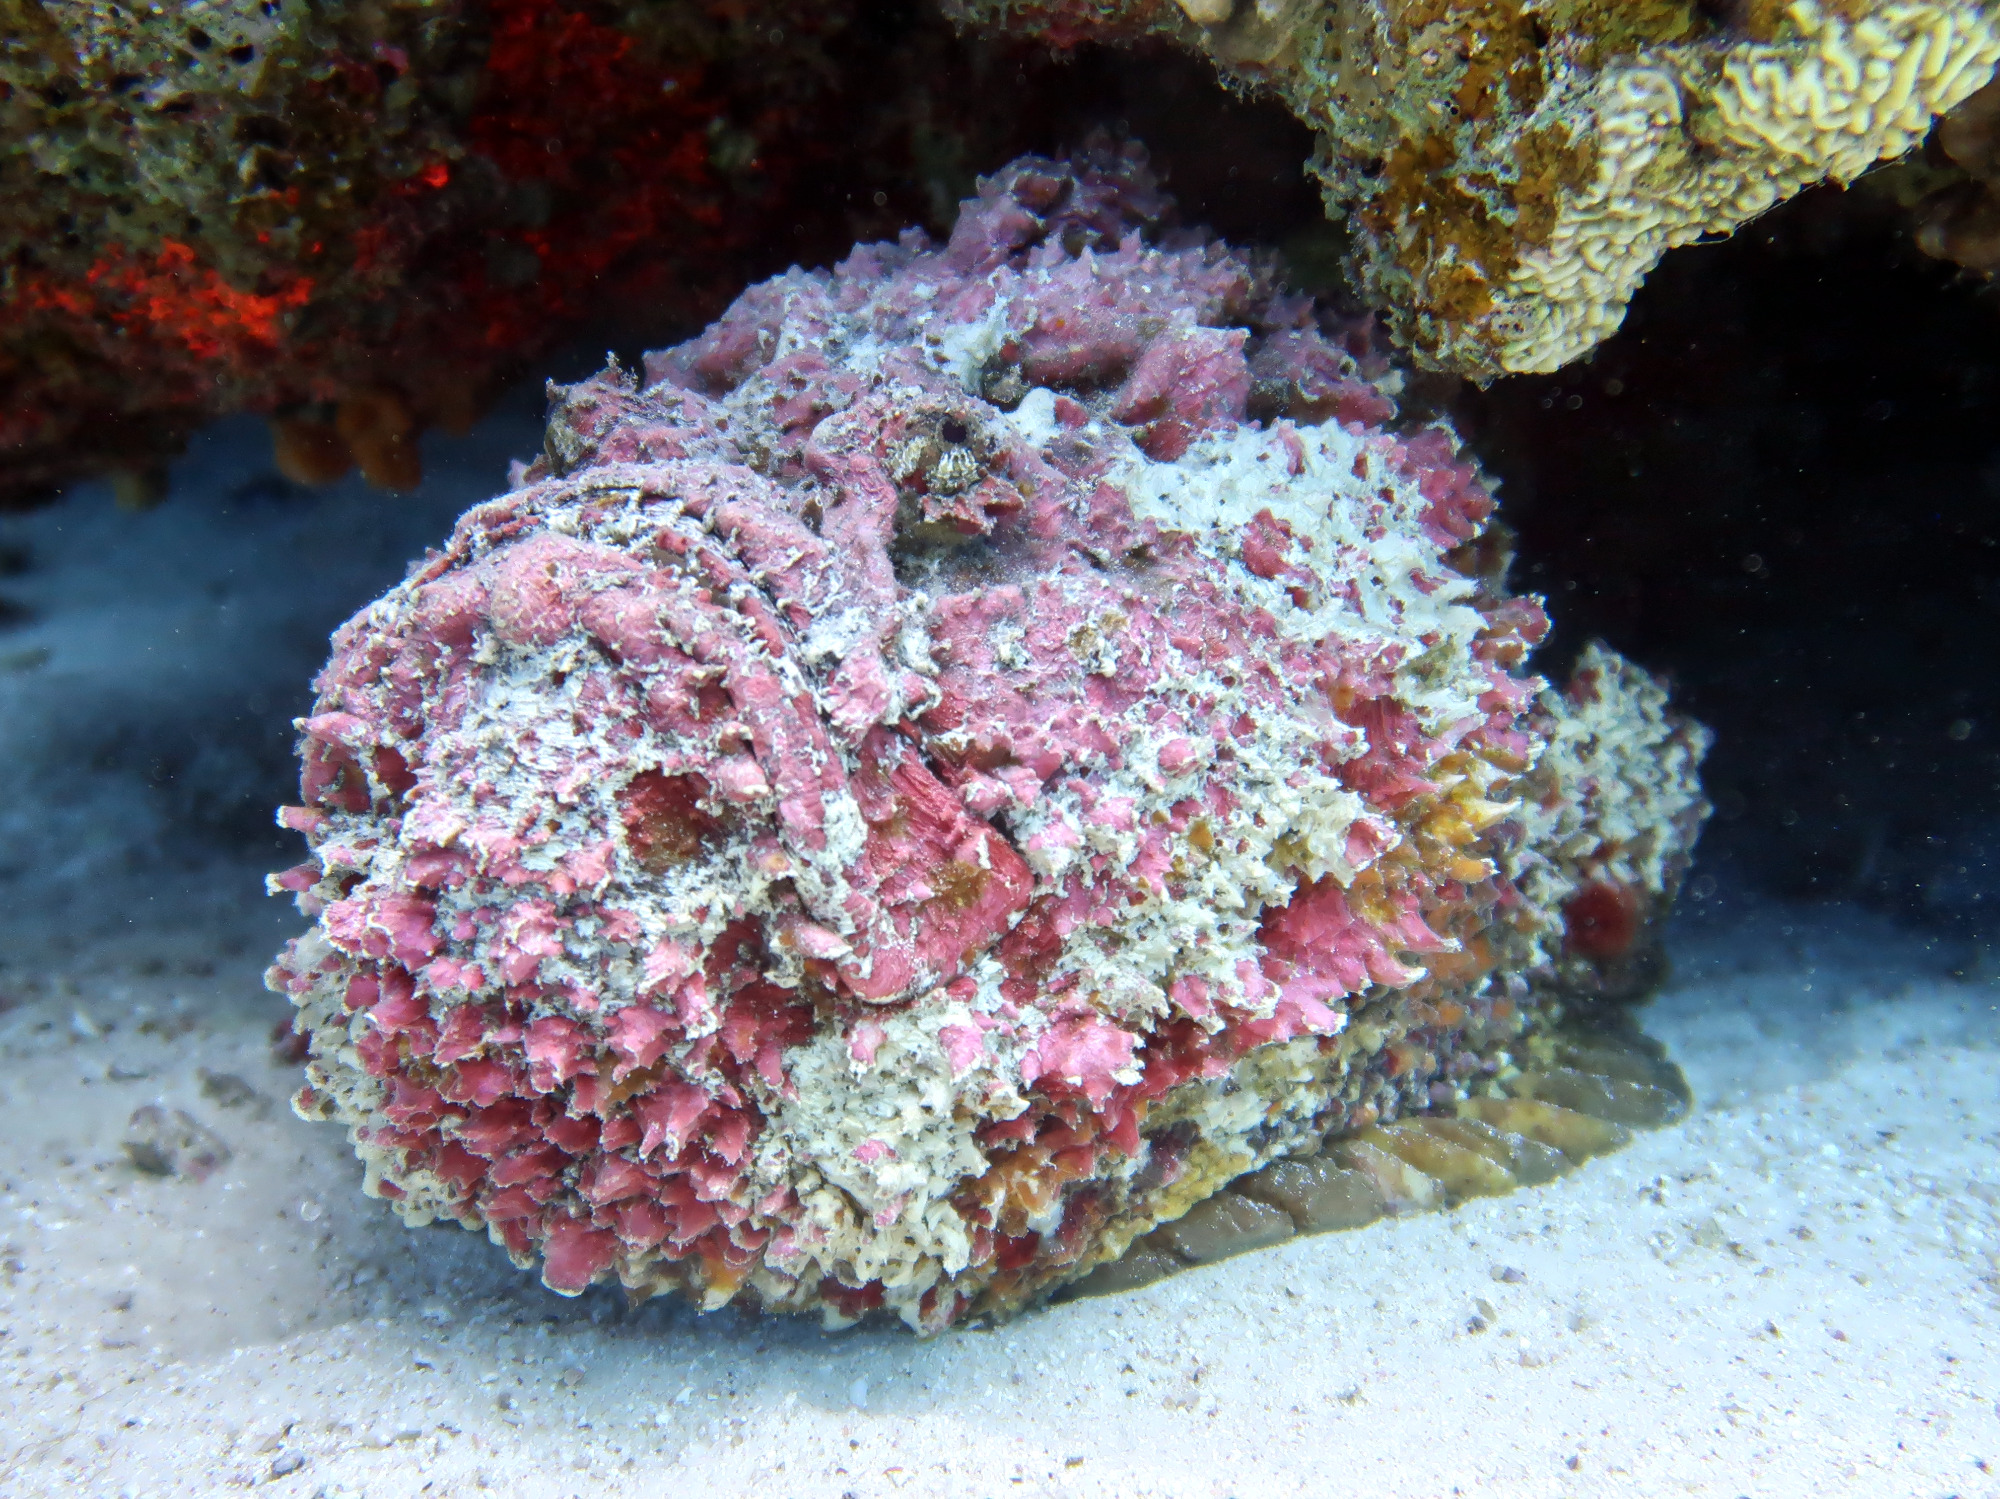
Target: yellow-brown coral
{"x":1514,"y":168}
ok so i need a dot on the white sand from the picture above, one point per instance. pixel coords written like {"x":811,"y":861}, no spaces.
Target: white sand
{"x":1792,"y":1293}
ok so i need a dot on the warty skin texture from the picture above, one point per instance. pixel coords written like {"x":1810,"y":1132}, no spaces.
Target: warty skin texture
{"x":918,"y":786}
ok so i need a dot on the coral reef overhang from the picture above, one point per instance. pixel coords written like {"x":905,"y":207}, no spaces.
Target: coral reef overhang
{"x":947,"y":770}
{"x":1511,"y":171}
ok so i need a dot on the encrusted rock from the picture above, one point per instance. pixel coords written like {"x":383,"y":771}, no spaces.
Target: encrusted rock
{"x":361,"y":219}
{"x":774,"y":858}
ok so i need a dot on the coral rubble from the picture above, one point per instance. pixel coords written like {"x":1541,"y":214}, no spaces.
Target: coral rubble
{"x":940,"y":774}
{"x":1512,"y":169}
{"x":359,"y":219}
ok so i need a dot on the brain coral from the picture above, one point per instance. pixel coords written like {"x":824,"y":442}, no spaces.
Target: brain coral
{"x":944,"y":771}
{"x":1514,"y":168}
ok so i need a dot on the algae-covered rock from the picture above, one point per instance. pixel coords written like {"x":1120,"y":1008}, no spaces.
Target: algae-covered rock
{"x":361,"y":219}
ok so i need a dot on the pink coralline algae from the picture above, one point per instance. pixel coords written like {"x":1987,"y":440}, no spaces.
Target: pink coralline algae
{"x":941,"y":773}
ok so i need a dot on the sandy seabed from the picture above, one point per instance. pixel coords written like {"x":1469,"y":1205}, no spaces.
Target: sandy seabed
{"x":1794,"y":1292}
